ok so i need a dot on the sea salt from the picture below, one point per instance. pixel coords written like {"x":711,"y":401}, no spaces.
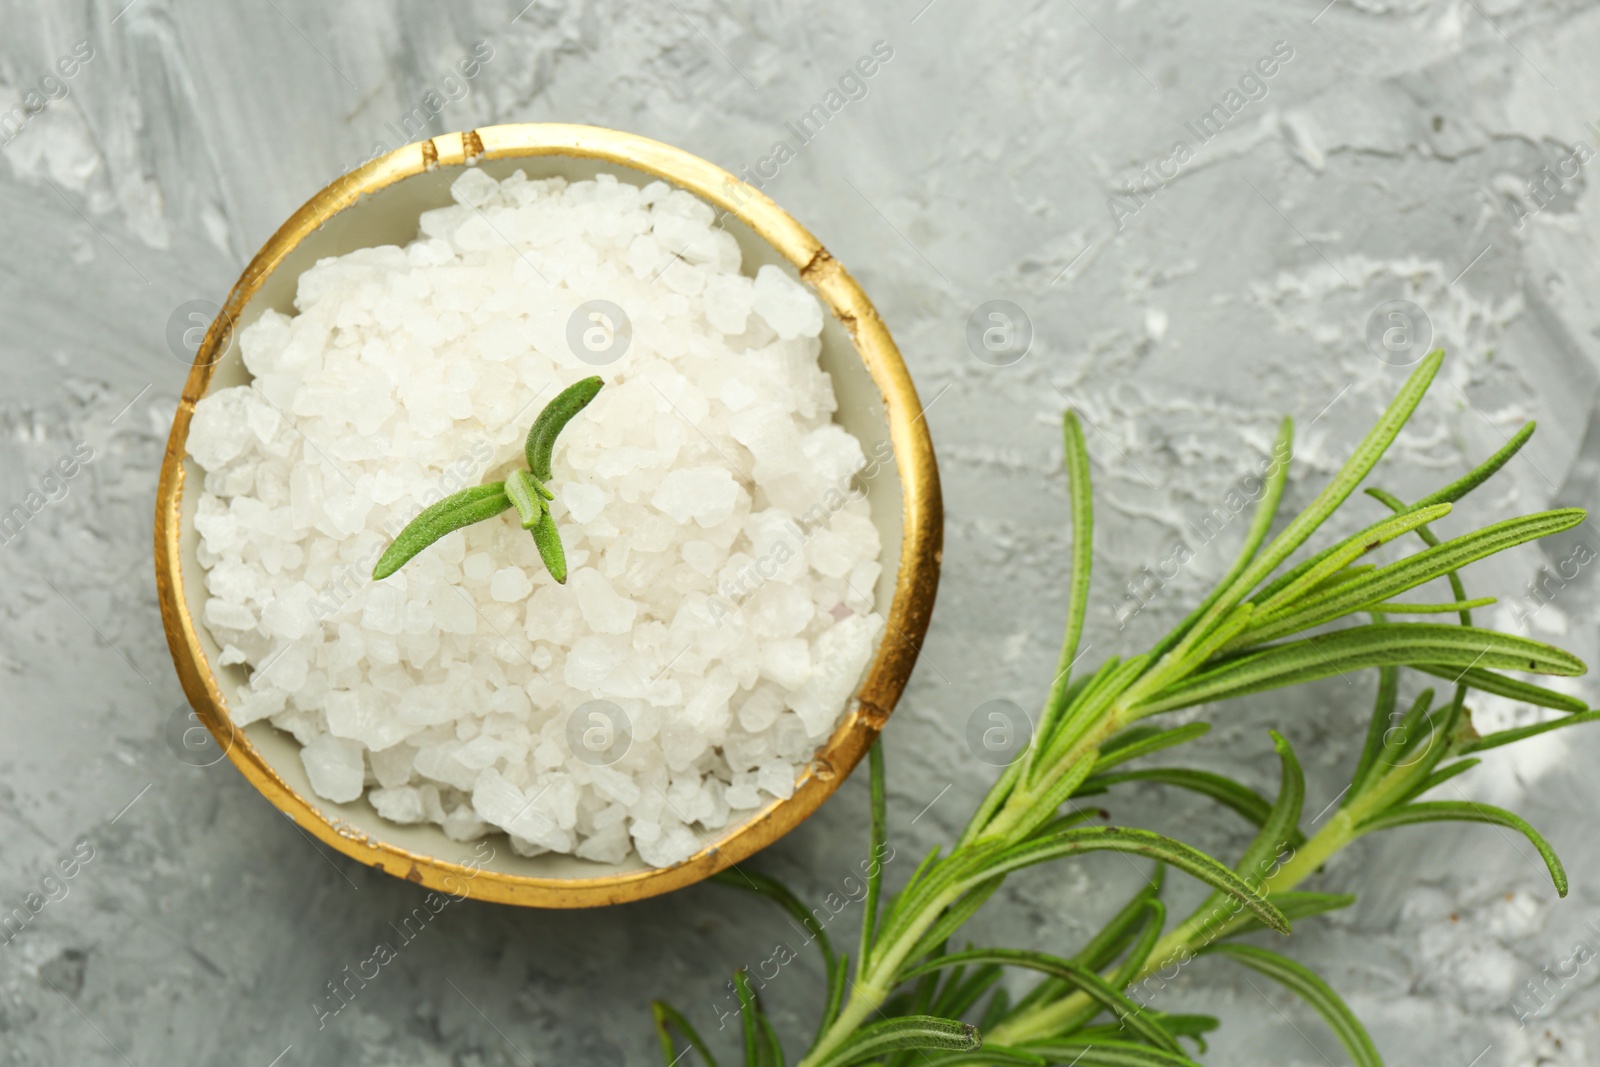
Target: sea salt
{"x":718,"y":611}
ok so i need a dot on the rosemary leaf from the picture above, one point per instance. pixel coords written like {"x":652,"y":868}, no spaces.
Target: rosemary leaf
{"x":995,"y":798}
{"x":1260,"y":525}
{"x":1369,"y":591}
{"x":1439,"y":777}
{"x":1078,"y":485}
{"x":1515,"y":689}
{"x":1225,"y":791}
{"x":1355,"y":469}
{"x":958,"y":997}
{"x":878,"y":838}
{"x":748,"y":1010}
{"x":1281,"y":827}
{"x":917,"y":876}
{"x":1395,"y":607}
{"x":1296,"y":905}
{"x":1112,"y":998}
{"x":526,"y":498}
{"x":935,"y":884}
{"x":1338,"y":578}
{"x":1394,"y":503}
{"x":770,"y":1053}
{"x":1231,"y":626}
{"x":1140,"y":842}
{"x":1050,"y":800}
{"x":1479,"y":474}
{"x":1123,"y":927}
{"x":1469,"y":811}
{"x":1413,"y":729}
{"x":548,"y":540}
{"x":1101,"y":1052}
{"x":778,"y":893}
{"x":553,"y":419}
{"x":448,"y":515}
{"x":1138,"y":741}
{"x":666,"y":1016}
{"x":1376,"y":645}
{"x":1507,"y":737}
{"x":1449,"y":494}
{"x":1130,"y":967}
{"x":1314,"y":991}
{"x":994,"y":1056}
{"x":914,"y":1031}
{"x":1377,"y":728}
{"x":1345,"y":553}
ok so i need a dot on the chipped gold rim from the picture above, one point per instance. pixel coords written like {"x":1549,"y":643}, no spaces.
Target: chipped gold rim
{"x":915,"y":584}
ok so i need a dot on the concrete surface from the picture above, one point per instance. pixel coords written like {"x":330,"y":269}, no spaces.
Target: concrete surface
{"x":1389,"y":156}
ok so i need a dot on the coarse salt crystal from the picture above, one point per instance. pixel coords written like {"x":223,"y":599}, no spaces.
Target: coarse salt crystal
{"x":788,"y":308}
{"x":333,"y":764}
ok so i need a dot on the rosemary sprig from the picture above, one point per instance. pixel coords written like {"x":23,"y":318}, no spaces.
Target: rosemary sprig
{"x":524,"y":490}
{"x":910,"y":992}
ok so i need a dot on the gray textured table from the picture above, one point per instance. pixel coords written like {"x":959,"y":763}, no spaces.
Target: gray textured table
{"x":1434,"y":151}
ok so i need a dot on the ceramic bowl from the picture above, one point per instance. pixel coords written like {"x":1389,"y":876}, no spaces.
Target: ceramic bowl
{"x":378,"y":204}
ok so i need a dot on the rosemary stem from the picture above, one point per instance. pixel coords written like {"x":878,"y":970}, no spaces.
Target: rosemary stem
{"x":877,"y":980}
{"x":877,"y":976}
{"x":1004,"y":824}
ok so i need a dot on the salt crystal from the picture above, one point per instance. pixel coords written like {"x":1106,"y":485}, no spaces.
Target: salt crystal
{"x":474,"y":188}
{"x":777,"y":779}
{"x":392,"y":766}
{"x":360,"y":716}
{"x":787,"y":662}
{"x":510,"y":585}
{"x":604,"y":610}
{"x":402,"y":805}
{"x":220,"y":428}
{"x":707,"y":495}
{"x":608,"y":845}
{"x":225,"y":615}
{"x":583,"y":501}
{"x":788,"y":308}
{"x":841,"y":655}
{"x":592,"y":660}
{"x":727,"y":300}
{"x":333,"y":764}
{"x":743,"y":796}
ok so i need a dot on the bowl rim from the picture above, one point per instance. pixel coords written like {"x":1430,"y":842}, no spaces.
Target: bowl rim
{"x":916,"y":580}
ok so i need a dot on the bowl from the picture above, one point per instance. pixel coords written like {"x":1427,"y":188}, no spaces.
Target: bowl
{"x":379,"y":203}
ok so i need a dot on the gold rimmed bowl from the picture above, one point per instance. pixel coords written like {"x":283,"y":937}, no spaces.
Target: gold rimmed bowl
{"x":379,"y":204}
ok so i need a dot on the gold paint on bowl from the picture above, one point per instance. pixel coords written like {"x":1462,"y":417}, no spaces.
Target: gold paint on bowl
{"x":379,"y":203}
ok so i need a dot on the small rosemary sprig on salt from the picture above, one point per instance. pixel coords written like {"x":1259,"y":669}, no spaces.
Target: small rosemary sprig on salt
{"x":524,"y":490}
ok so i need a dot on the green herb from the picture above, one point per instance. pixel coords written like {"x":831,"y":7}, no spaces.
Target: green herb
{"x":523,"y":490}
{"x":911,"y":994}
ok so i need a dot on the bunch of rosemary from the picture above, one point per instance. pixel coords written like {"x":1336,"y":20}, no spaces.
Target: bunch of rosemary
{"x":910,"y":997}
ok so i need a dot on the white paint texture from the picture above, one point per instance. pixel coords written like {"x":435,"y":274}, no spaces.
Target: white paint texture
{"x":1380,"y":162}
